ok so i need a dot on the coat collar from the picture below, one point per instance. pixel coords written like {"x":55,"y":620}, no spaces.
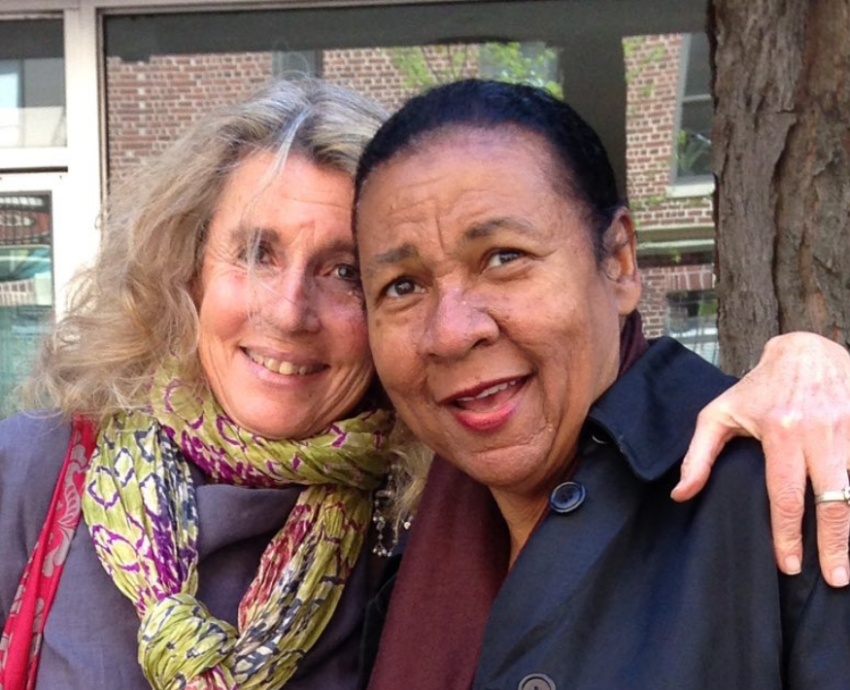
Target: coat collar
{"x":635,"y":413}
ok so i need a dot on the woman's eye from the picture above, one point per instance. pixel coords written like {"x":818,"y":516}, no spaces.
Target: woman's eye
{"x":259,"y":253}
{"x":401,"y":287}
{"x":502,"y":257}
{"x":347,"y":272}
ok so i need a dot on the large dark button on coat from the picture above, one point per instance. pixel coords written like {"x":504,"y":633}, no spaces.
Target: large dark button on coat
{"x":537,"y":681}
{"x":566,"y":497}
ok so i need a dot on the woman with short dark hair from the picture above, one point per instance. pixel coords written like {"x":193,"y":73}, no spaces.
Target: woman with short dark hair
{"x":500,"y":280}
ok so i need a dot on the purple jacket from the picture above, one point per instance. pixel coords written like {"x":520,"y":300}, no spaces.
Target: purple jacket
{"x":90,"y":637}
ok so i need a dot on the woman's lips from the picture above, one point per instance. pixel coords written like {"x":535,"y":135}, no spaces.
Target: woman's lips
{"x":486,"y":398}
{"x":280,"y":366}
{"x":488,"y":406}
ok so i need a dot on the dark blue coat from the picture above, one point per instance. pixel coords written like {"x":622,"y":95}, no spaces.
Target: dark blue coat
{"x":633,"y":591}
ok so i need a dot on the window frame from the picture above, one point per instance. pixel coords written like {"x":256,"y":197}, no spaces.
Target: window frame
{"x":693,"y":185}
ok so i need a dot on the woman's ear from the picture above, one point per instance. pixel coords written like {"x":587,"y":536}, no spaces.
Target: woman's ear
{"x":620,"y":263}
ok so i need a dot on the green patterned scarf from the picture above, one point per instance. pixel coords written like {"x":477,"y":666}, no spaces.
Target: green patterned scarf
{"x":139,"y":504}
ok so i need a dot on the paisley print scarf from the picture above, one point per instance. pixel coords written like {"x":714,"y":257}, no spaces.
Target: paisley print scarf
{"x":139,"y":504}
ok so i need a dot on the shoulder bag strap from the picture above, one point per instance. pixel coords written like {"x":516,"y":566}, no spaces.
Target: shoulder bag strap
{"x":20,"y":646}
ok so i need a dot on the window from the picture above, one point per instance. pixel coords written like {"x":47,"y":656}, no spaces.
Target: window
{"x":163,"y":71}
{"x":296,"y":64}
{"x":692,"y":319}
{"x":692,"y":146}
{"x":26,"y":290}
{"x":32,"y":84}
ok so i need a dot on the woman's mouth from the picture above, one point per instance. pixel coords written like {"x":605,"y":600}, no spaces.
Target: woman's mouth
{"x":487,"y":398}
{"x":282,"y":366}
{"x":489,"y":406}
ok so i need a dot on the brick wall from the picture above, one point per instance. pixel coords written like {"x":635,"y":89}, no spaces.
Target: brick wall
{"x":652,"y":74}
{"x":150,"y":103}
{"x":658,"y":281}
{"x":369,"y":71}
{"x":652,"y":78}
{"x":374,"y":72}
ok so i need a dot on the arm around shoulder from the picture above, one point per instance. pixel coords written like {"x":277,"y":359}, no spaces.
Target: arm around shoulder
{"x":797,"y":402}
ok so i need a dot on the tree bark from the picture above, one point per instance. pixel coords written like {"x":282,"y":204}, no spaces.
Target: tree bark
{"x":781,"y":156}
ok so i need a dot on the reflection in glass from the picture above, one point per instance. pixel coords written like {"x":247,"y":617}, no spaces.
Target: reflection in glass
{"x":693,"y":140}
{"x":26,"y":285}
{"x":151,"y":101}
{"x":32,"y":84}
{"x":692,"y":320}
{"x":164,"y":71}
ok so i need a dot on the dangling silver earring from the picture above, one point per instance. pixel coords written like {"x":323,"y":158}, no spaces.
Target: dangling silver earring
{"x":387,"y":531}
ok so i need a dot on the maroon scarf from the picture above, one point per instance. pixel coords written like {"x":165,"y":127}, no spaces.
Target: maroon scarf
{"x":452,"y":570}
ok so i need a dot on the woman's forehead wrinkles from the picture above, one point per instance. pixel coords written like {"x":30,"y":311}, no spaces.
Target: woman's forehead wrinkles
{"x":489,"y":227}
{"x":434,"y":202}
{"x":451,"y":193}
{"x":412,"y":193}
{"x":309,"y":233}
{"x":394,"y":256}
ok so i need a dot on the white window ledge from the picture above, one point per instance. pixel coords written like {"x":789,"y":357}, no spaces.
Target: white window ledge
{"x":683,"y":190}
{"x":33,"y":158}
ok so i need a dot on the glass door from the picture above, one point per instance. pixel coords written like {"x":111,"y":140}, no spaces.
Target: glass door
{"x":28,"y":218}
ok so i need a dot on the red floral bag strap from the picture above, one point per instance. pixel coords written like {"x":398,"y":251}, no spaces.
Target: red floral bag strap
{"x":20,"y":646}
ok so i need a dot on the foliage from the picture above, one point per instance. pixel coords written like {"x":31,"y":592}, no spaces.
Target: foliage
{"x":427,"y":66}
{"x":512,"y":62}
{"x":693,"y":154}
{"x":424,"y":67}
{"x":637,"y":62}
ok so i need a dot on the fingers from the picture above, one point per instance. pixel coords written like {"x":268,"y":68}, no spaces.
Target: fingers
{"x":833,"y":533}
{"x":790,"y":453}
{"x":785,"y":473}
{"x":833,"y":518}
{"x":711,"y":434}
{"x":797,"y":401}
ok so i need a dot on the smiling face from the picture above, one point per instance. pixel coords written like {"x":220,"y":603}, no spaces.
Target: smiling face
{"x":492,"y":327}
{"x":282,"y":336}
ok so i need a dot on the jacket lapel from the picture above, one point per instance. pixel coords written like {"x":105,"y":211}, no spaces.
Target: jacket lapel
{"x":570,"y":545}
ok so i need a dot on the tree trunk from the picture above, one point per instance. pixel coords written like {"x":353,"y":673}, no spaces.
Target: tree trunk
{"x":781,"y":155}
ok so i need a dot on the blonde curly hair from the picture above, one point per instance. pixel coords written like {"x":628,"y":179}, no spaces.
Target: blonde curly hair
{"x":134,"y":306}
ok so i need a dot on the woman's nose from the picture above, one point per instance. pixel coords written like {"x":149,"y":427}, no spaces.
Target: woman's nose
{"x":291,"y":304}
{"x":458,"y":322}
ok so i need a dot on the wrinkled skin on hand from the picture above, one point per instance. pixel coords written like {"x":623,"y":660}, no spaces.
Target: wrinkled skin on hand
{"x":796,"y":401}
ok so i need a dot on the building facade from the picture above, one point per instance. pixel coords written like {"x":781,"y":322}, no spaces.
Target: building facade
{"x":91,"y":88}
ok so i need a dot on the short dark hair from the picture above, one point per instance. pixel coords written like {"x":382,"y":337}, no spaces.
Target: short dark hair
{"x":586,"y":173}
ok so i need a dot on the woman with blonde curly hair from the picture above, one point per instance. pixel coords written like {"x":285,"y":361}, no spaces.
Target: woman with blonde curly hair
{"x":214,"y":366}
{"x":199,"y":494}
